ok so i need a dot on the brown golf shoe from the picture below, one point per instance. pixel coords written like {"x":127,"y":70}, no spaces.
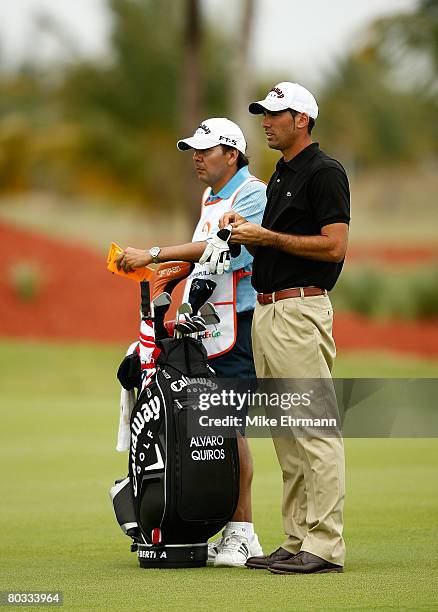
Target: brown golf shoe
{"x":304,"y":563}
{"x":265,"y":562}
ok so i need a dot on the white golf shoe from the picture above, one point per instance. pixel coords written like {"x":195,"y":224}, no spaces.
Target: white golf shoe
{"x":233,"y":549}
{"x":213,"y":549}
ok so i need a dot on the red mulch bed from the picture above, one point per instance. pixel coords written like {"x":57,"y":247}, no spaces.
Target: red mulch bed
{"x":354,"y":332}
{"x":393,"y":255}
{"x":80,"y":300}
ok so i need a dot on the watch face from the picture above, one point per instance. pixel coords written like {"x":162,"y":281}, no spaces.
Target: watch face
{"x":155,"y":251}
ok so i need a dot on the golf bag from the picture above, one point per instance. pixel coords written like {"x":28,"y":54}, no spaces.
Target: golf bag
{"x":181,"y":489}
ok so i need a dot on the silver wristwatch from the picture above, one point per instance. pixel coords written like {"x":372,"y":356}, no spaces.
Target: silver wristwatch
{"x":154,"y":252}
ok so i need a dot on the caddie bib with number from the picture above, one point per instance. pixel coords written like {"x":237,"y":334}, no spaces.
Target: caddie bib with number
{"x":222,"y":337}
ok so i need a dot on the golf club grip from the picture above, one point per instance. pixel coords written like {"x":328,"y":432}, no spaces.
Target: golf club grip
{"x":160,"y":329}
{"x":145,"y":300}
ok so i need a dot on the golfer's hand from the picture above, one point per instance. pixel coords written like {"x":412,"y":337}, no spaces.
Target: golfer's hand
{"x":250,"y":234}
{"x":231,"y":218}
{"x":131,"y":259}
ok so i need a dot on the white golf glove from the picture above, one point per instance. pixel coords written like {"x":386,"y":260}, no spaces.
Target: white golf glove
{"x":217,"y":252}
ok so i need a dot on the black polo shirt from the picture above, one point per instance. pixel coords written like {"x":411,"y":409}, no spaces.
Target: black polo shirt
{"x":304,"y":194}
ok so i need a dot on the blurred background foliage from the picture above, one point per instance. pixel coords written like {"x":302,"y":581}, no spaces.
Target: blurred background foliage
{"x":90,"y":132}
{"x":380,"y":103}
{"x":108,"y":126}
{"x":387,"y":294}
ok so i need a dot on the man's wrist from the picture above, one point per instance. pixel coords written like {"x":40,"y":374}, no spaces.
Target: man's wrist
{"x":269,"y":238}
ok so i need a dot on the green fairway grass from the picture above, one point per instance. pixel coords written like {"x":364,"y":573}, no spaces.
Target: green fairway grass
{"x":59,"y":421}
{"x":373,"y":364}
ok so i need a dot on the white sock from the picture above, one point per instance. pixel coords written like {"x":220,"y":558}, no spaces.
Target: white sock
{"x":249,"y":527}
{"x":246,"y":529}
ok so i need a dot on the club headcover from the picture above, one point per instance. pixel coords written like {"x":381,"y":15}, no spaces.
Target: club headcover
{"x":168,"y":275}
{"x":201,"y":290}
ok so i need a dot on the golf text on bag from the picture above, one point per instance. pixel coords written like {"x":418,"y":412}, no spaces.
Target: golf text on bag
{"x":207,"y":454}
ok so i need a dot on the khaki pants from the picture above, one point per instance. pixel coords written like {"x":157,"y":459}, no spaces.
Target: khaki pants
{"x":293,"y":339}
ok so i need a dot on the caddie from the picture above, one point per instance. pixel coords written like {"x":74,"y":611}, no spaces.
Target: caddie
{"x":219,"y":157}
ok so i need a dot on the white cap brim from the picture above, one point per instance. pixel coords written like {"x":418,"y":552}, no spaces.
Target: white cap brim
{"x":196,"y":142}
{"x":257,"y":108}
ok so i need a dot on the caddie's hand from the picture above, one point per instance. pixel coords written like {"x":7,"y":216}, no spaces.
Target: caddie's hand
{"x":217,"y":252}
{"x":132,"y":258}
{"x":250,"y":234}
{"x":231,"y":218}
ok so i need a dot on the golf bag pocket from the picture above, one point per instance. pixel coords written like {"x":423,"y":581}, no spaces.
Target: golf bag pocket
{"x":205,"y":480}
{"x":121,"y":497}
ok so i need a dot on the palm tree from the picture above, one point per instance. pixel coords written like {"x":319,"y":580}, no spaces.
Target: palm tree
{"x":410,"y":41}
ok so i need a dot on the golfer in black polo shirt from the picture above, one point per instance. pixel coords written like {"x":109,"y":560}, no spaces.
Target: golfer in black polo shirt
{"x":298,"y":255}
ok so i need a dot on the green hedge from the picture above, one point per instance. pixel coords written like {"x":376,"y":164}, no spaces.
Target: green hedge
{"x":386,"y":293}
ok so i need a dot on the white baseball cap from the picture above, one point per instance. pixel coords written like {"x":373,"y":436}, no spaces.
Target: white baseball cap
{"x":213,"y":132}
{"x":287,"y":95}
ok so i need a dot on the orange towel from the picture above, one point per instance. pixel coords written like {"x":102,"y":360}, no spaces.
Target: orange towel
{"x":140,"y":274}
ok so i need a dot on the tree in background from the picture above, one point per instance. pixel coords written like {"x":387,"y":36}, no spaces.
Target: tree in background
{"x":192,"y":92}
{"x":242,"y":78}
{"x":150,"y":94}
{"x":375,"y":113}
{"x":369,"y":123}
{"x":122,"y":114}
{"x":410,"y":40}
{"x":109,"y":126}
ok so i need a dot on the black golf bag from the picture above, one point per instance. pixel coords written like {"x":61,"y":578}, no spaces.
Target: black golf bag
{"x":181,"y":489}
